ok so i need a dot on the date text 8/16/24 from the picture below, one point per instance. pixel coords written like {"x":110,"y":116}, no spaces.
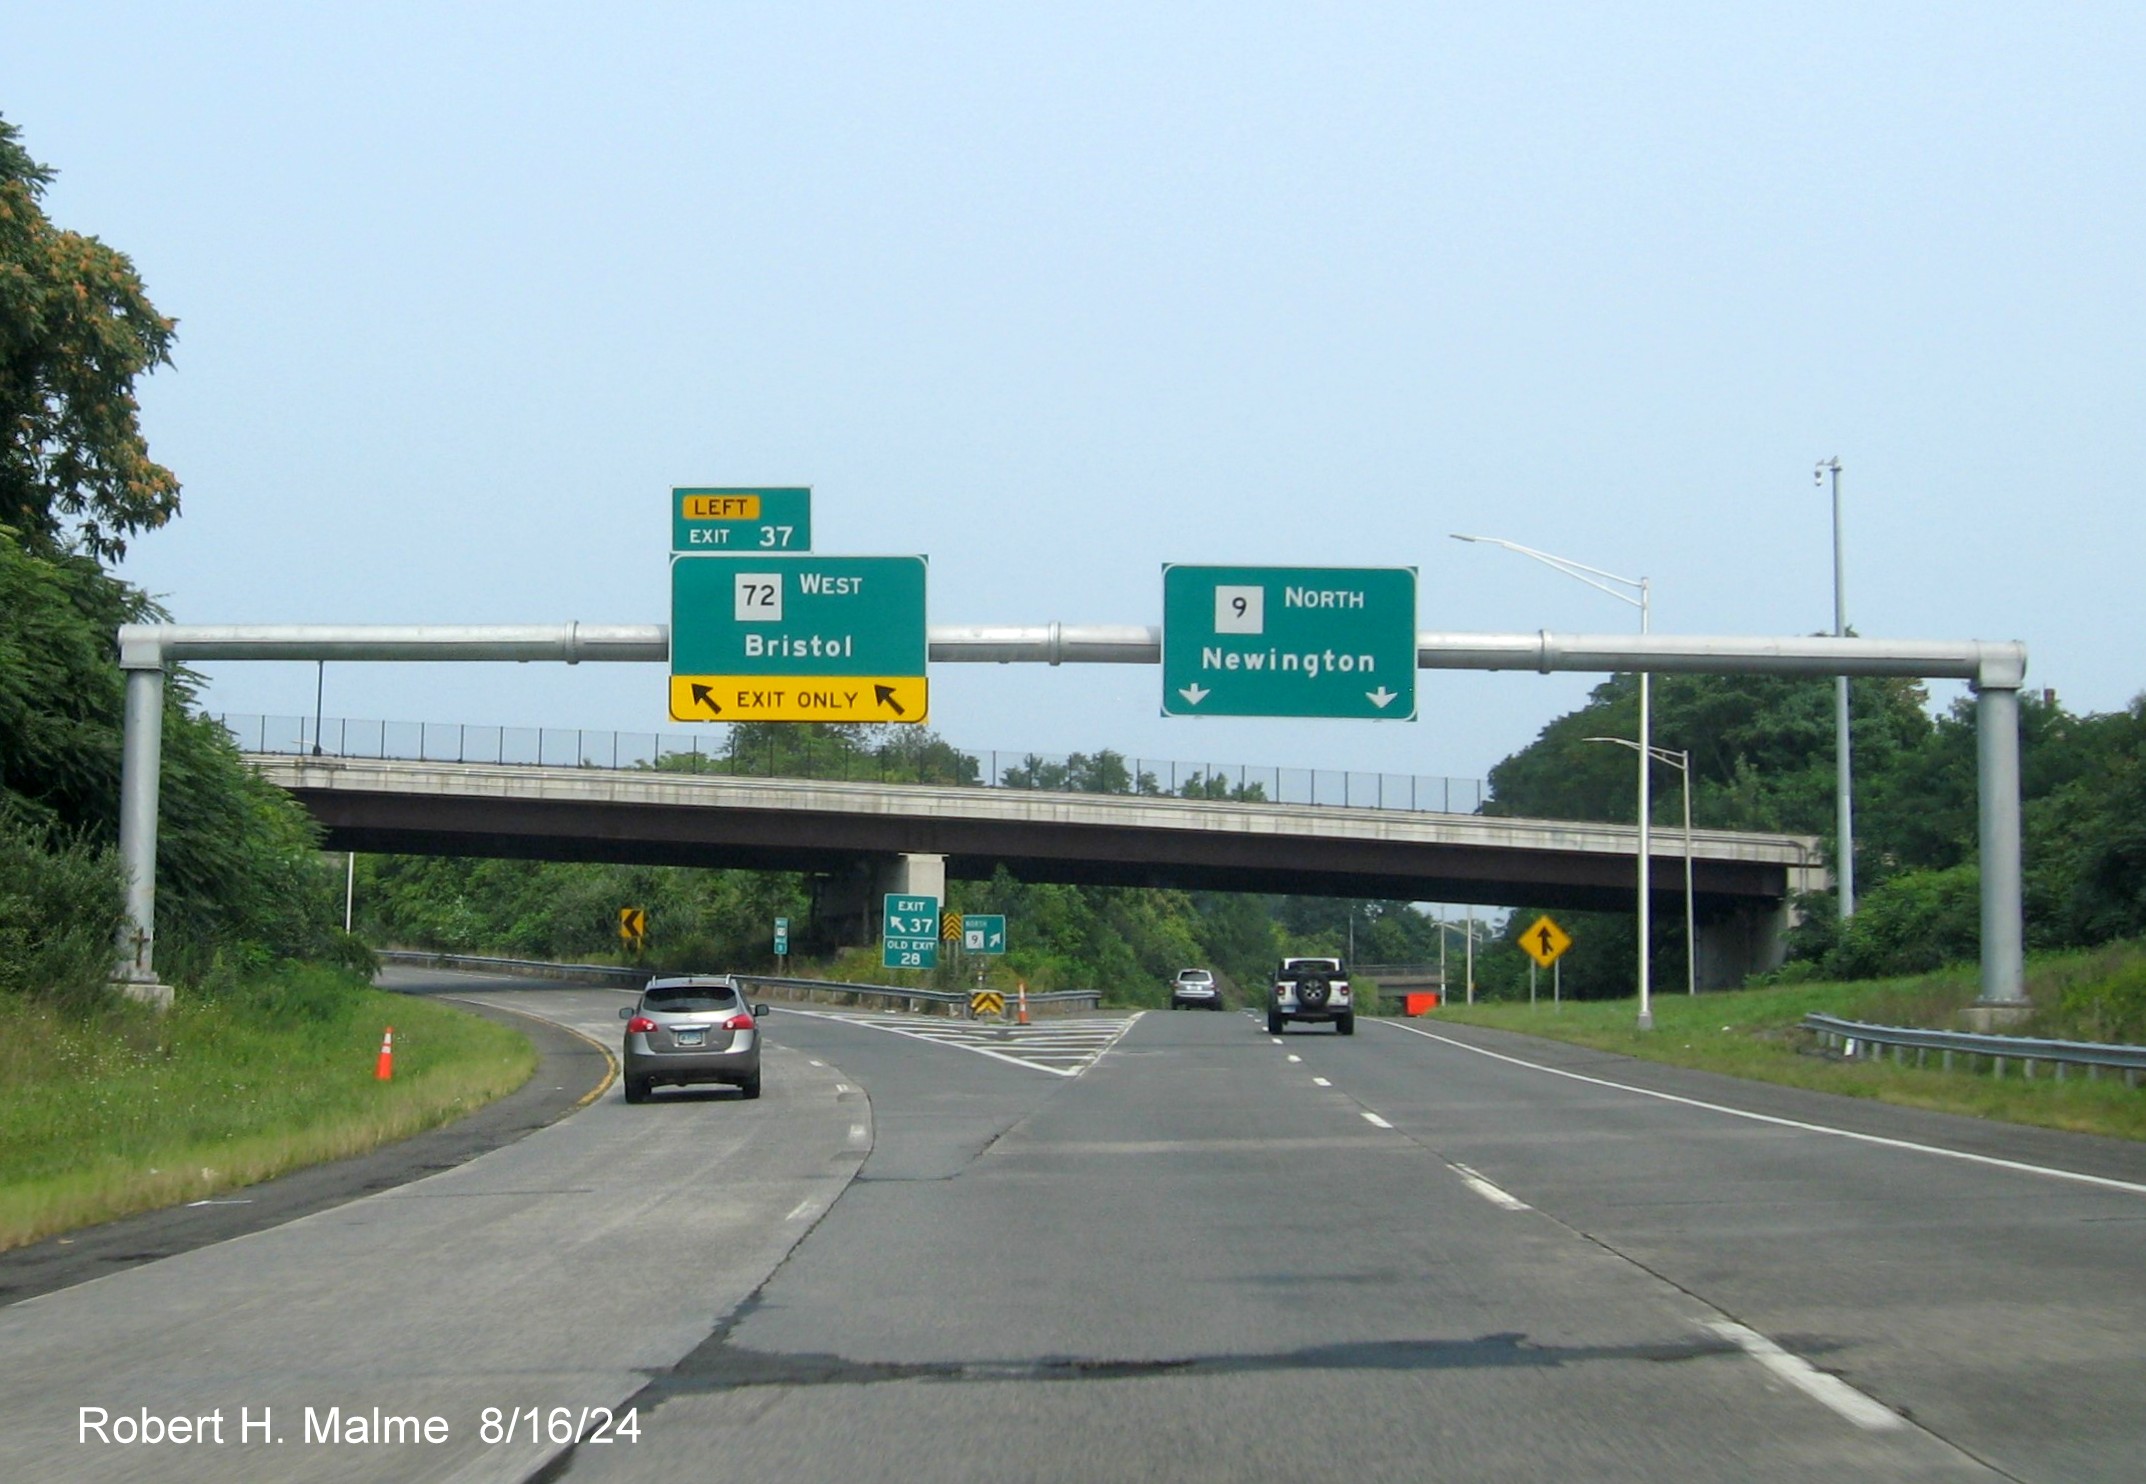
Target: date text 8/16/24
{"x":558,"y":1425}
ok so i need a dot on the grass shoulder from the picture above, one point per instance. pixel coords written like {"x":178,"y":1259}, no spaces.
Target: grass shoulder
{"x":115,"y":1109}
{"x":1755,"y":1033}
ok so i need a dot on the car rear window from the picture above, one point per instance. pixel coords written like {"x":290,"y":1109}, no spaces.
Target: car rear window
{"x":686,"y":997}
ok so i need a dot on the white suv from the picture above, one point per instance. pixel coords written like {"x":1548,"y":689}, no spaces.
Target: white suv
{"x":1311,"y":989}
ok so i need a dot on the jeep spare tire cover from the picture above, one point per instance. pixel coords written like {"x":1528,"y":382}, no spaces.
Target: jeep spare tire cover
{"x":1312,"y":991}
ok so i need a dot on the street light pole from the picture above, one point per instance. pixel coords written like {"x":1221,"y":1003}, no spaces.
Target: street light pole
{"x":1646,"y":824}
{"x":1601,"y":581}
{"x":1469,"y":968}
{"x":1681,"y":761}
{"x":1843,"y":768}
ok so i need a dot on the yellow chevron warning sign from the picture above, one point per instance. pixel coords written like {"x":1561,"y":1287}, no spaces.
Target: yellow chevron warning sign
{"x":950,"y":927}
{"x":987,"y":1002}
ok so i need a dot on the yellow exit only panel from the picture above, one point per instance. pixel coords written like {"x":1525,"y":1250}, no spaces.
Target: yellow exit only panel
{"x":869,"y":698}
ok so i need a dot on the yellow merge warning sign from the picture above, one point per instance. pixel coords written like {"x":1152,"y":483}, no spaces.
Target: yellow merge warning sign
{"x":1544,"y":941}
{"x":800,"y":698}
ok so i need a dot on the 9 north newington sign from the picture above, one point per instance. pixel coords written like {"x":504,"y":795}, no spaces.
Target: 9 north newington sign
{"x":798,"y":638}
{"x":1289,"y":641}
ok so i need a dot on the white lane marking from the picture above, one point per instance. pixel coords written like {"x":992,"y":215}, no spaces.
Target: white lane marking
{"x":800,"y":1209}
{"x":818,"y":1064}
{"x":856,"y":1133}
{"x":1294,"y":1057}
{"x":840,"y":1088}
{"x":1277,"y":1040}
{"x":1808,"y":1379}
{"x":1373,"y":1118}
{"x":2021,"y":1166}
{"x":1321,"y":1082}
{"x":1502,"y":1199}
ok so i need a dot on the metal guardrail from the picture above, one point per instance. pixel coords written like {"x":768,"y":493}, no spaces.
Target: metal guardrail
{"x":1853,"y":1038}
{"x":635,"y":978}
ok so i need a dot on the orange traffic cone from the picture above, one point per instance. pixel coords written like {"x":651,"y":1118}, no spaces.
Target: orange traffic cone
{"x":384,"y":1069}
{"x":1022,"y":985}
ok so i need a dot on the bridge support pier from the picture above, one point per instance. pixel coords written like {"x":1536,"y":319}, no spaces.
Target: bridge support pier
{"x":846,"y":907}
{"x":1750,"y":940}
{"x":1753,"y":938}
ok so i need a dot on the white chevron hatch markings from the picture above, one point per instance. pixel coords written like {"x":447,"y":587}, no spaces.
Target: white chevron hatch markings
{"x":1064,"y":1048}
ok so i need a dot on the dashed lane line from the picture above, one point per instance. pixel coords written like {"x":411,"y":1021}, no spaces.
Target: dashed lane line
{"x":1502,"y":1199}
{"x":1808,"y":1379}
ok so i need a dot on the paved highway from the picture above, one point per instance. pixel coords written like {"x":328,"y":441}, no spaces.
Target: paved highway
{"x":1166,"y":1248}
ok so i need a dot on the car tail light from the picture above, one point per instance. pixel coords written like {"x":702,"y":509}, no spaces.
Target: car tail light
{"x":640,"y":1025}
{"x":739,"y":1022}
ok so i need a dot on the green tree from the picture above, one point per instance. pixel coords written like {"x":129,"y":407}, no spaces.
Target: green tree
{"x":76,"y":329}
{"x":2086,"y":838}
{"x":1217,"y":785}
{"x":1761,"y":758}
{"x":1103,"y":772}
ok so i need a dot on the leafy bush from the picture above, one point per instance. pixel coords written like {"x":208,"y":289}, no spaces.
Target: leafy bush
{"x":1911,"y":924}
{"x":61,"y":906}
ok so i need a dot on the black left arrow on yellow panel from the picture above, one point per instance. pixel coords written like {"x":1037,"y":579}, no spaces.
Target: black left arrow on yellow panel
{"x":886,"y":699}
{"x":704,"y":696}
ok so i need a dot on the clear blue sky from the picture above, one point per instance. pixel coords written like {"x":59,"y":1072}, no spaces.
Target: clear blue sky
{"x":1059,"y":294}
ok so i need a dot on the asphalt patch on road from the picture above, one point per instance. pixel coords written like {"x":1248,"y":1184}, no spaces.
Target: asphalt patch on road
{"x":569,"y":1071}
{"x":718,"y":1366}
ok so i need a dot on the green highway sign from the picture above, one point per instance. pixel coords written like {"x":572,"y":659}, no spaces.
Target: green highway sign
{"x":782,"y":936}
{"x":1289,"y":641}
{"x":909,"y":931}
{"x":769,"y":637}
{"x":983,"y":932}
{"x":711,"y":519}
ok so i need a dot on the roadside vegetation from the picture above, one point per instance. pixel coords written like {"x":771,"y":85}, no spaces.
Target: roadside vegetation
{"x":108,"y":1111}
{"x":1762,"y":759}
{"x":2086,"y":995}
{"x":266,"y":1061}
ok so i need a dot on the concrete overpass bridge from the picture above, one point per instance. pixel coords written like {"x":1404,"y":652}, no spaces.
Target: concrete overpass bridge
{"x":858,"y":840}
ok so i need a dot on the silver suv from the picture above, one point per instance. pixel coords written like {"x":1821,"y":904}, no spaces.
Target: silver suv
{"x":694,"y":1028}
{"x":1311,"y":989}
{"x":1196,"y":988}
